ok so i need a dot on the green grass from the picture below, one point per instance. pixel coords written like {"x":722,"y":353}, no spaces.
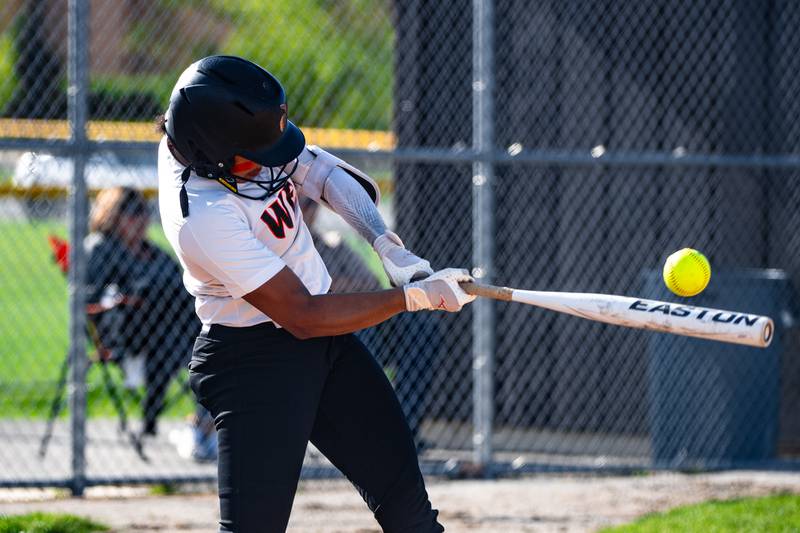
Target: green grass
{"x":33,"y":304}
{"x":33,"y":327}
{"x":779,"y":513}
{"x":368,"y":255}
{"x":48,"y":523}
{"x":164,"y":489}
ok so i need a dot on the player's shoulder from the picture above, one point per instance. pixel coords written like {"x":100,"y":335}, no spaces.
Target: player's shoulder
{"x":168,"y":169}
{"x":211,"y":211}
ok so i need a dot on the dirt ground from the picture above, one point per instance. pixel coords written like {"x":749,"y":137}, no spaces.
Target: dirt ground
{"x":537,"y":504}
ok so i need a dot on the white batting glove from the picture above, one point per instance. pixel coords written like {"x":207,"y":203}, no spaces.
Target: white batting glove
{"x":400,"y":265}
{"x":439,"y":291}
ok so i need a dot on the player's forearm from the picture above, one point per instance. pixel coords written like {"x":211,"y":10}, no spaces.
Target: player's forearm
{"x":337,"y":314}
{"x":287,"y":301}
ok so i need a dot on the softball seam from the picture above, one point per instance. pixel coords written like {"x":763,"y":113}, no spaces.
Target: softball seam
{"x":707,"y":276}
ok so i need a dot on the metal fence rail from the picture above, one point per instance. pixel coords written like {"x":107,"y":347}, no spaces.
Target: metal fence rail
{"x":552,"y":145}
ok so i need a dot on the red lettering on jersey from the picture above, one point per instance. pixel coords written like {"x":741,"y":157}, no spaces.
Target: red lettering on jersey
{"x":281,"y":216}
{"x":289,"y":194}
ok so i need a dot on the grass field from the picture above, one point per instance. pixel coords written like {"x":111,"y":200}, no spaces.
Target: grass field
{"x":48,"y":523}
{"x":779,"y":513}
{"x":34,"y":322}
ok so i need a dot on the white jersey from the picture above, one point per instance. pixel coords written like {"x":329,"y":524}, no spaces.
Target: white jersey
{"x":229,"y":245}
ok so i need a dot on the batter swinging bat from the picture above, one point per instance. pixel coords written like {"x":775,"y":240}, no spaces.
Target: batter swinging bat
{"x":712,"y":324}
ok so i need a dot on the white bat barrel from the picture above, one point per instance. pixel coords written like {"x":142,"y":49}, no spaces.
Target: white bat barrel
{"x":701,"y":322}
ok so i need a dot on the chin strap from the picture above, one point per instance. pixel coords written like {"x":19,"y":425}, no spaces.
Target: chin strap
{"x":183,"y":195}
{"x":229,"y":183}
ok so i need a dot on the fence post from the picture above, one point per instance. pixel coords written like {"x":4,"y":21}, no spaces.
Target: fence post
{"x":77,"y":104}
{"x":483,"y":333}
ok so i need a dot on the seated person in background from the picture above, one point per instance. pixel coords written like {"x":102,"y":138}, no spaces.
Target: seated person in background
{"x":408,"y":365}
{"x":145,"y":314}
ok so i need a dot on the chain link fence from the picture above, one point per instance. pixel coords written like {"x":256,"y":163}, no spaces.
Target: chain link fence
{"x":547,"y":145}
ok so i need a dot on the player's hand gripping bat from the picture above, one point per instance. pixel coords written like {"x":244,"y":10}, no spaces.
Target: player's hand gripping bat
{"x":679,"y":319}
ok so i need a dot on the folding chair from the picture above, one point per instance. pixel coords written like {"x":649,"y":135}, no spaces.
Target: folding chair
{"x":103,"y":356}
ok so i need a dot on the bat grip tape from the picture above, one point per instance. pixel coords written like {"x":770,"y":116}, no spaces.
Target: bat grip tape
{"x":487,"y":291}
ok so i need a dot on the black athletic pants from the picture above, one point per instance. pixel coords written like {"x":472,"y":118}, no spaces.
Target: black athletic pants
{"x":271,"y":393}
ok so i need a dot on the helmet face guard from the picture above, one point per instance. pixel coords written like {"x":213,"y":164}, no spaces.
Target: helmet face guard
{"x":278,"y":176}
{"x":223,"y":106}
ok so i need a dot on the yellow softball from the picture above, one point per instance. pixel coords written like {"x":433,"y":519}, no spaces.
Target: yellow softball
{"x":687,"y":272}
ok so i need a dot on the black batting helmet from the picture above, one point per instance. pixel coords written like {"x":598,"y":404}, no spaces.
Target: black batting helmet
{"x":224,"y":106}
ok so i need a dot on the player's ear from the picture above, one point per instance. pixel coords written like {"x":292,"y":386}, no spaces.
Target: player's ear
{"x":161,"y":124}
{"x":243,"y":165}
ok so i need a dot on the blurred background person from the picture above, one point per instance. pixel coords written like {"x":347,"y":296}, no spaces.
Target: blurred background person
{"x":144,"y":317}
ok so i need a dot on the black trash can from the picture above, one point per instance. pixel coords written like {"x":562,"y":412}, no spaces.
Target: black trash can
{"x":714,"y":404}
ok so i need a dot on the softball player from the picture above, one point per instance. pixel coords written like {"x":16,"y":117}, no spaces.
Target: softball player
{"x":276,"y":362}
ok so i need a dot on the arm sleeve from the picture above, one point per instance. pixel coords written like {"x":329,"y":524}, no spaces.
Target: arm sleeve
{"x":350,"y":201}
{"x":343,"y":188}
{"x":223,"y":244}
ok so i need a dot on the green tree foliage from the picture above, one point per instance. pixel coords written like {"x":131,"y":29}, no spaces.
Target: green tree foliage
{"x":8,"y":81}
{"x":335,"y":57}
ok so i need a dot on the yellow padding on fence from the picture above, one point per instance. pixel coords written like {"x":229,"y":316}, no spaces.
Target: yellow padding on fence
{"x":38,"y":192}
{"x":146,"y":132}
